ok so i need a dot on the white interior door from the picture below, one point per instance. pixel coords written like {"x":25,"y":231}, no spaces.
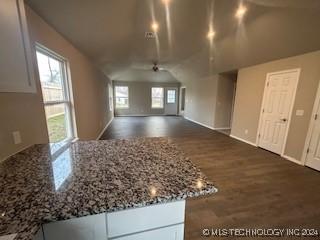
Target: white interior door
{"x":277,"y":106}
{"x":313,"y":152}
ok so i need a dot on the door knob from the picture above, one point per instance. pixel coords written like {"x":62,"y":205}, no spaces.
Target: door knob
{"x":283,"y":119}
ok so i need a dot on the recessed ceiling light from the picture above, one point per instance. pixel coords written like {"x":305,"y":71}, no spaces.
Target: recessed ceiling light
{"x":241,"y":11}
{"x":166,"y":1}
{"x":155,"y":26}
{"x":211,"y":34}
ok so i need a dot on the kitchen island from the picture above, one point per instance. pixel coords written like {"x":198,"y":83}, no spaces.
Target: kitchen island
{"x":113,"y":189}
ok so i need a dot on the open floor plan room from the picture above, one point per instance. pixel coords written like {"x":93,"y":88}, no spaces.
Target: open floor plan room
{"x":159,"y":119}
{"x":257,"y":188}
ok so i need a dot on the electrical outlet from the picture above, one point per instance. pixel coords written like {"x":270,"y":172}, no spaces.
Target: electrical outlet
{"x":246,"y":131}
{"x":16,"y":137}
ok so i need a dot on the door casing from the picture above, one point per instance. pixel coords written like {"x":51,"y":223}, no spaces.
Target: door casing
{"x":181,"y":113}
{"x":171,"y":108}
{"x":311,"y":125}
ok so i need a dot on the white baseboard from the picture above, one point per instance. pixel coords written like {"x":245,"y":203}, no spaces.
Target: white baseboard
{"x":204,"y":125}
{"x":292,"y":159}
{"x":223,"y":128}
{"x":284,"y":156}
{"x":242,"y":140}
{"x":105,"y":128}
{"x":142,"y":115}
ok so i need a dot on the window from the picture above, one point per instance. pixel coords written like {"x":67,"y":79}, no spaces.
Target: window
{"x":171,"y":96}
{"x":157,"y":97}
{"x":122,"y":96}
{"x":110,"y":97}
{"x":56,"y":96}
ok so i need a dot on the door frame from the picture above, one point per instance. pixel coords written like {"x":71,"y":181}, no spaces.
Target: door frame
{"x":166,"y":89}
{"x":298,"y":71}
{"x":311,"y":126}
{"x":181,"y":113}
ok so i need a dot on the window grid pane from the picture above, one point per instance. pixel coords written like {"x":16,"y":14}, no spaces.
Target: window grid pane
{"x":122,"y":96}
{"x":157,"y":97}
{"x":171,"y":96}
{"x":110,"y":94}
{"x":51,"y":75}
{"x":57,"y":122}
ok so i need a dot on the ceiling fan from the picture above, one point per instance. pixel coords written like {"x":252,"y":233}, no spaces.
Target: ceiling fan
{"x":156,"y":68}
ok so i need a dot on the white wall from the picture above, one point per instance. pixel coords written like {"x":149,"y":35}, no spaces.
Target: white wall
{"x":201,"y":100}
{"x":24,"y":112}
{"x":250,"y":88}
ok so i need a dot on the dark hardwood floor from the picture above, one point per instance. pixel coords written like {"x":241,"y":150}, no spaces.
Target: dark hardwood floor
{"x":257,"y":189}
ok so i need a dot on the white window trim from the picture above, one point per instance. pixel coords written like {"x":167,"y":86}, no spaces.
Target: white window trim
{"x":115,"y":97}
{"x":68,"y":96}
{"x":163,"y":98}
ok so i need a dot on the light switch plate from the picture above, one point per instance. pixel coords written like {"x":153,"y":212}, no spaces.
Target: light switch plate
{"x":299,"y":112}
{"x":16,"y":137}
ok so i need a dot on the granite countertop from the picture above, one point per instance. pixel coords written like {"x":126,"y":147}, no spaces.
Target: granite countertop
{"x":91,"y":177}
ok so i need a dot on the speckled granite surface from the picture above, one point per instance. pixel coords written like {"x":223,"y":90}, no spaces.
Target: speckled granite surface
{"x":92,"y":177}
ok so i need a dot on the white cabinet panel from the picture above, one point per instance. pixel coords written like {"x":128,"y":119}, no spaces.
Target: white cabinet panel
{"x":156,"y":222}
{"x":16,"y":68}
{"x":84,"y":228}
{"x":145,"y":218}
{"x":169,"y":233}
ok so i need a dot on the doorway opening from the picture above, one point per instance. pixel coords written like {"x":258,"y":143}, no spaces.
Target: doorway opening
{"x":182,"y":101}
{"x":225,"y":99}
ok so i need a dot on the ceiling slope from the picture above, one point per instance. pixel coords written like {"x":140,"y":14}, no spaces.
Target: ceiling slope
{"x":111,"y":33}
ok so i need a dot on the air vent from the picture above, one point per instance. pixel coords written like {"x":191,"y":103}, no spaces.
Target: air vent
{"x":149,"y":35}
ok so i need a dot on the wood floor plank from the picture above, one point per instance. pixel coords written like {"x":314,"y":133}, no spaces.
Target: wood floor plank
{"x":257,"y":189}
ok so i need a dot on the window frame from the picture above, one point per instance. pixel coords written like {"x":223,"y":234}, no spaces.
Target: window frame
{"x":67,"y":100}
{"x":163,"y":98}
{"x":115,"y":97}
{"x":110,"y":97}
{"x":175,"y":96}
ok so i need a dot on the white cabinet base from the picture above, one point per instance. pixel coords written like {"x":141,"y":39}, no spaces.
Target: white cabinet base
{"x":175,"y":232}
{"x":84,"y":228}
{"x":145,"y":218}
{"x":156,"y":222}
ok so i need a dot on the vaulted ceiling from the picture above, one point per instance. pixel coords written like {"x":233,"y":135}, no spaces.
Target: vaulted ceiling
{"x":112,"y":34}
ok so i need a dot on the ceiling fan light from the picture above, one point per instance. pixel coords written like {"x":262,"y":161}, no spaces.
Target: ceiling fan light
{"x":155,"y":26}
{"x":211,"y":34}
{"x":241,"y":11}
{"x":166,"y":1}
